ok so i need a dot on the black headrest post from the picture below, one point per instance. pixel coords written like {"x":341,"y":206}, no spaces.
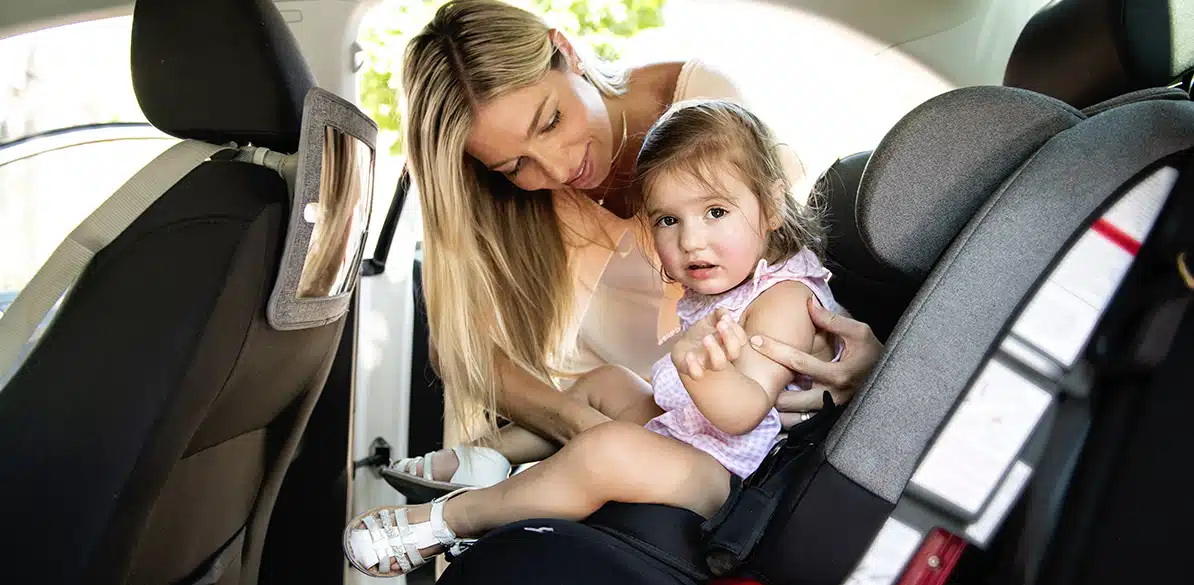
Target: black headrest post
{"x":219,"y":71}
{"x":1084,"y":52}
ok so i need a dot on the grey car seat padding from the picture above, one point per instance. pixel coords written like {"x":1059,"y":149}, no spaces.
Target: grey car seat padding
{"x":977,"y":285}
{"x":1152,"y":93}
{"x":941,"y":162}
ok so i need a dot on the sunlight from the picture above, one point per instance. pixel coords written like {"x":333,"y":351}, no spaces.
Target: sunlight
{"x":828,"y":90}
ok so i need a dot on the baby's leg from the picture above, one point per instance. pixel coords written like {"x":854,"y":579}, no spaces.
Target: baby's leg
{"x":618,"y":393}
{"x":615,"y":461}
{"x":614,"y":391}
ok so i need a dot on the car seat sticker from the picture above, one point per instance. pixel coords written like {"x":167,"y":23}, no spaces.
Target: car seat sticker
{"x":981,"y":440}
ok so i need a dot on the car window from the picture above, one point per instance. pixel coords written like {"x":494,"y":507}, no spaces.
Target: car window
{"x":65,"y":76}
{"x":43,"y":196}
{"x":71,"y":133}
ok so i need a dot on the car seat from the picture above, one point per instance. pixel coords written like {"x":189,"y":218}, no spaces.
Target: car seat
{"x":145,"y":437}
{"x":1091,"y":54}
{"x":1088,"y":52}
{"x":972,"y":198}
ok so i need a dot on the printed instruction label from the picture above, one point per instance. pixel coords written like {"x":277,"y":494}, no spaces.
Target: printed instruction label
{"x":884,"y":561}
{"x":982,"y":529}
{"x":1061,"y":317}
{"x":982,"y":438}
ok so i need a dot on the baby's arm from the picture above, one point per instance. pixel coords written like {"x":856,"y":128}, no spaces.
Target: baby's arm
{"x":735,"y":399}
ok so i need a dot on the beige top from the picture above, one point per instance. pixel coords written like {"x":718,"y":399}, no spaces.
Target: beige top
{"x":629,"y":313}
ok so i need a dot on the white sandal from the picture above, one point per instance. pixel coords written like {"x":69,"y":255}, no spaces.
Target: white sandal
{"x":388,"y":535}
{"x":479,"y":467}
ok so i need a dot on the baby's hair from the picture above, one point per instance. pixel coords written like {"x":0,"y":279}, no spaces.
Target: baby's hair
{"x":700,"y":138}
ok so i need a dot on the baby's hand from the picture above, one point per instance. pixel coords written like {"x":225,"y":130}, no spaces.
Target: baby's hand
{"x":709,"y":345}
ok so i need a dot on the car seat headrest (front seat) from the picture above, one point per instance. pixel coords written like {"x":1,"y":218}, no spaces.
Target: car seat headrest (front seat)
{"x":178,"y":376}
{"x":219,"y":71}
{"x":1087,"y":51}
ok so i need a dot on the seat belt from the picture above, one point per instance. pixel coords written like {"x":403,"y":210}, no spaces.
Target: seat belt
{"x":736,"y":529}
{"x":72,"y":256}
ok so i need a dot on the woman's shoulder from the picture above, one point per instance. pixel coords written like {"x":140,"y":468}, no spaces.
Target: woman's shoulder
{"x":673,"y":81}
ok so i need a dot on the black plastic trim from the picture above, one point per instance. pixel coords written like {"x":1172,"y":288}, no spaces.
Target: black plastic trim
{"x":377,"y":264}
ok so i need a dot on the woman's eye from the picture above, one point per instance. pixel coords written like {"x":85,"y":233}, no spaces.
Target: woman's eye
{"x":717,"y":213}
{"x":555,"y":121}
{"x":665,"y":221}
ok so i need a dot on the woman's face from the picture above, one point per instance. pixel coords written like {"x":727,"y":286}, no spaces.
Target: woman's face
{"x":553,"y":133}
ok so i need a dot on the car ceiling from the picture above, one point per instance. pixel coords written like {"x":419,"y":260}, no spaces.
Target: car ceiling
{"x":891,"y":22}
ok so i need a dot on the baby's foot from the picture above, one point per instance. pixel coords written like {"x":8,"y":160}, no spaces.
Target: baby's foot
{"x":414,"y":515}
{"x":404,"y":538}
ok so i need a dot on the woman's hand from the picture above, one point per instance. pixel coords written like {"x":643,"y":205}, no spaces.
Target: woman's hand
{"x":842,"y":378}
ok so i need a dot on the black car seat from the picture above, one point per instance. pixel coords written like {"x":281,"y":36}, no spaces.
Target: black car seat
{"x":974,"y":197}
{"x":1088,"y":52}
{"x":145,"y":438}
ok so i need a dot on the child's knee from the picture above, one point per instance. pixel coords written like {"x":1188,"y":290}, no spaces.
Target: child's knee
{"x":606,"y":447}
{"x":601,"y":379}
{"x":609,"y":374}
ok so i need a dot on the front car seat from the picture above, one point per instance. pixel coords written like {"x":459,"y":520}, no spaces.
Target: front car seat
{"x":146,"y":436}
{"x":1088,"y":52}
{"x":975,"y":195}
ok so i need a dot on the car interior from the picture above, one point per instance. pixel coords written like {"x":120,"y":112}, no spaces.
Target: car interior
{"x":173,"y":422}
{"x":183,"y":460}
{"x":990,"y":186}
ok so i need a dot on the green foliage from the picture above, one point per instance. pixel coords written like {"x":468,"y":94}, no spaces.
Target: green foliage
{"x":605,"y":25}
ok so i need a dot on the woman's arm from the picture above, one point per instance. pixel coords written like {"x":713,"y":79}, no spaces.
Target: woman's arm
{"x":543,"y":410}
{"x":736,"y":398}
{"x":842,"y":378}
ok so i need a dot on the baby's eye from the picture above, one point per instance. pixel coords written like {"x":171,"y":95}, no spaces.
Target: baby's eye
{"x":514,"y":171}
{"x":665,"y":221}
{"x":717,"y":213}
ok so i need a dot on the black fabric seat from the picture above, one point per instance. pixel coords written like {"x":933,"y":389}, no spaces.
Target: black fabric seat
{"x":1088,"y":52}
{"x":959,"y":212}
{"x":151,"y":428}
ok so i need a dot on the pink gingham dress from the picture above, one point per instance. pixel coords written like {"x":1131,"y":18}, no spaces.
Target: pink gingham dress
{"x":681,"y":420}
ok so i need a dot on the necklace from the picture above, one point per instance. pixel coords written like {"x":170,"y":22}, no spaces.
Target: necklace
{"x":612,"y":161}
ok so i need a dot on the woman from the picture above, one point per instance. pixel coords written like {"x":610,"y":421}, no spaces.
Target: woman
{"x":523,"y":148}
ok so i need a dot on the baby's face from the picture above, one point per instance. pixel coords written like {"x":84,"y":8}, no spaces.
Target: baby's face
{"x":709,"y":241}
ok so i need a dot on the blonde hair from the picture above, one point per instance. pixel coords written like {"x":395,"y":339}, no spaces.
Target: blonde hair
{"x":340,"y":190}
{"x":495,"y":271}
{"x":700,"y":138}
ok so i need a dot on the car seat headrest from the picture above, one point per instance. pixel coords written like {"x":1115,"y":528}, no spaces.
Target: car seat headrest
{"x":219,"y":71}
{"x":941,"y":162}
{"x":1087,"y":51}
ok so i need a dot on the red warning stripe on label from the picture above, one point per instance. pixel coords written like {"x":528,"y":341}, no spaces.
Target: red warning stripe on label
{"x":1116,"y":236}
